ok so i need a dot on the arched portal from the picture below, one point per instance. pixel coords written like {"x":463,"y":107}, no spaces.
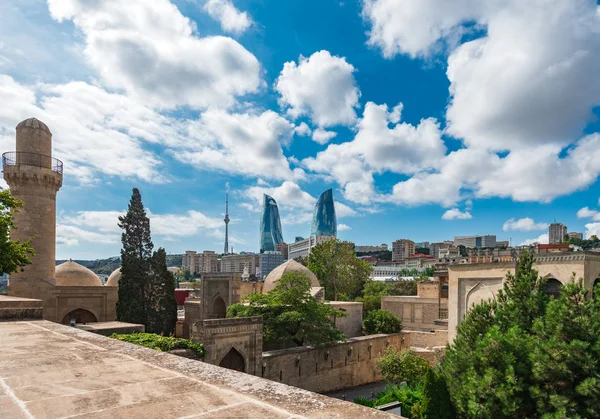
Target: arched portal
{"x":80,"y":316}
{"x":234,"y":361}
{"x":553,"y":287}
{"x":219,"y":308}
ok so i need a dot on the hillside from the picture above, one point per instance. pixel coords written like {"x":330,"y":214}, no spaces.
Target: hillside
{"x":107,"y":266}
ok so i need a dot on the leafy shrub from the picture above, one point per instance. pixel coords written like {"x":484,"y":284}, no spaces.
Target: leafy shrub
{"x":408,"y":396}
{"x":406,"y":365}
{"x":381,"y":321}
{"x":160,"y":343}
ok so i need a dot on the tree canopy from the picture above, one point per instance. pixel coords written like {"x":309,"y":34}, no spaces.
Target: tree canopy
{"x":291,"y":314}
{"x":526,"y":354}
{"x":405,"y":365}
{"x":14,"y":254}
{"x":381,"y":321}
{"x":339,"y":271}
{"x":374,"y":290}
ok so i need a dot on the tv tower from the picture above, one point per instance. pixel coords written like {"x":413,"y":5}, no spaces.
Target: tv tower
{"x":226,"y":223}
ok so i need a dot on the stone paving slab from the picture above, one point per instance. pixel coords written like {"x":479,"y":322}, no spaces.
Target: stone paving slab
{"x":53,"y":371}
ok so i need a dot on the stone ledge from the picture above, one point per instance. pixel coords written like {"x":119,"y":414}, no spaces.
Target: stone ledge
{"x":17,"y":308}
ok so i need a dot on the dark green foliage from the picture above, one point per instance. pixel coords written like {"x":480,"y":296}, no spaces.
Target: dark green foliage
{"x":587,"y":244}
{"x":408,"y":396}
{"x":136,"y":257}
{"x":405,"y":365}
{"x":291,"y":314}
{"x":381,"y":321}
{"x":14,"y":255}
{"x":527,"y":355}
{"x":374,"y":290}
{"x":160,"y":343}
{"x":162,"y":305}
{"x":436,"y":402}
{"x":339,"y":270}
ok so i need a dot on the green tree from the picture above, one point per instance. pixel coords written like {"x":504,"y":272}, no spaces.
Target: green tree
{"x":14,"y":254}
{"x":406,"y":365}
{"x":339,"y":270}
{"x":161,"y":305}
{"x":136,"y":256}
{"x":291,"y":314}
{"x":372,"y":293}
{"x":381,"y":321}
{"x":526,"y":354}
{"x":436,"y":399}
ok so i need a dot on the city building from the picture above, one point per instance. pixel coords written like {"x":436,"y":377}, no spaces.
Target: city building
{"x":434,"y":249}
{"x":68,"y":292}
{"x":235,"y":263}
{"x":502,"y":243}
{"x":418,"y":261}
{"x":574,"y":235}
{"x":423,"y":245}
{"x":198,"y":263}
{"x":449,"y":253}
{"x":270,"y":225}
{"x":269,"y":261}
{"x":371,"y":249}
{"x":283,"y":249}
{"x":475,"y":241}
{"x":557,"y":233}
{"x":301,"y":248}
{"x":324,"y":219}
{"x":402,"y":248}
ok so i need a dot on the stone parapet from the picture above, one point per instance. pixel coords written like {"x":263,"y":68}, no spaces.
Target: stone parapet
{"x":18,"y":308}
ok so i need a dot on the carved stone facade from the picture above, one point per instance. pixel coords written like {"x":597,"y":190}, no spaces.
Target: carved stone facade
{"x":232,"y":343}
{"x":471,"y":284}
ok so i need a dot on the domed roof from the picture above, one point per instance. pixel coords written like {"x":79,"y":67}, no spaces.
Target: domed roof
{"x":33,"y":123}
{"x":71,"y":274}
{"x":113,"y":279}
{"x":289,"y":266}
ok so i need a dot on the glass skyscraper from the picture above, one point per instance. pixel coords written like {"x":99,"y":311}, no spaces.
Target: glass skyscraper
{"x":270,"y":225}
{"x":324,"y":221}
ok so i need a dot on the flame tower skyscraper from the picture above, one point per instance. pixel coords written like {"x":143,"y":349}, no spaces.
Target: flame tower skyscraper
{"x":270,"y":225}
{"x":324,"y":219}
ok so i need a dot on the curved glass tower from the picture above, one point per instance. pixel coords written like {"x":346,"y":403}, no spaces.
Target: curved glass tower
{"x":270,"y":225}
{"x":324,"y":221}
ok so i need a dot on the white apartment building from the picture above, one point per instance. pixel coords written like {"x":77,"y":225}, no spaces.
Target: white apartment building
{"x":401,"y":249}
{"x":301,"y":248}
{"x":237,"y":262}
{"x":198,"y":263}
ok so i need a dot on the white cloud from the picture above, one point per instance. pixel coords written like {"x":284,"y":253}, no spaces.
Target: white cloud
{"x":542,"y":239}
{"x":592,"y":229}
{"x":303,"y":130}
{"x":321,"y":87}
{"x":376,"y":148}
{"x":153,"y":52}
{"x":343,"y":227}
{"x":523,"y":224}
{"x":231,"y":19}
{"x":322,"y":136}
{"x":585,"y":212}
{"x":456,"y":214}
{"x":249,"y":144}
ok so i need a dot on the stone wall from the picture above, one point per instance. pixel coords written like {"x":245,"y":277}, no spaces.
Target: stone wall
{"x":247,"y":288}
{"x":351,"y":325}
{"x":428,"y":339}
{"x":339,"y":366}
{"x":416,"y":313}
{"x":17,"y":308}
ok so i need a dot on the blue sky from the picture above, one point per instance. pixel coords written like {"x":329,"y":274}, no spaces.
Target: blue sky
{"x":428,"y":119}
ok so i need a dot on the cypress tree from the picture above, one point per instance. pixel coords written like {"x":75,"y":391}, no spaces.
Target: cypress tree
{"x":162,"y":307}
{"x":135,"y":263}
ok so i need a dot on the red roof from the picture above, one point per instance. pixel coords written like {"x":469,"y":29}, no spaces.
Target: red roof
{"x":553,"y":246}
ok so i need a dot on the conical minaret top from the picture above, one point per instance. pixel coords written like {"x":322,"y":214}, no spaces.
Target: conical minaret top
{"x":226,"y":247}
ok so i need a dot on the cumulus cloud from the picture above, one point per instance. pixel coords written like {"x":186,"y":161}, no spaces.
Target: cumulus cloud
{"x":322,"y":136}
{"x":456,"y":214}
{"x":303,"y":129}
{"x":321,"y":87}
{"x":231,"y":19}
{"x":343,"y":227}
{"x":249,"y":144}
{"x":585,"y":212}
{"x":542,"y":239}
{"x":523,"y":224}
{"x":382,"y":143}
{"x":592,"y":229}
{"x":152,"y":51}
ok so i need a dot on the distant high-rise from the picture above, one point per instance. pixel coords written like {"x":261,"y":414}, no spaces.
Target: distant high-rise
{"x":557,"y":233}
{"x":324,"y":220}
{"x":270,"y":225}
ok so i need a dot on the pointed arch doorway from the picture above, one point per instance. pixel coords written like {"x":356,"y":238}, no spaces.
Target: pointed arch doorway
{"x":234,"y":361}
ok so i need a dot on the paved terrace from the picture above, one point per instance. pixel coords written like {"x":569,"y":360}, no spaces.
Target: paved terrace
{"x":48,"y":370}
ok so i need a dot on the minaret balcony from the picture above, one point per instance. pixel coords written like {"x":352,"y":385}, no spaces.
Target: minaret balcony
{"x":17,"y":158}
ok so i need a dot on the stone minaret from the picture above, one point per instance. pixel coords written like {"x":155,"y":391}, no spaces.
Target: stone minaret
{"x":35,"y":177}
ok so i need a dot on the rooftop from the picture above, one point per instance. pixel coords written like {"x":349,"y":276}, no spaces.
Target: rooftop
{"x":49,"y":370}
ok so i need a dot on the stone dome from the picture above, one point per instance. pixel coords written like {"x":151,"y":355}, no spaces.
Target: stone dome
{"x":113,"y":279}
{"x":33,"y":123}
{"x":71,"y":274}
{"x":289,"y":266}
